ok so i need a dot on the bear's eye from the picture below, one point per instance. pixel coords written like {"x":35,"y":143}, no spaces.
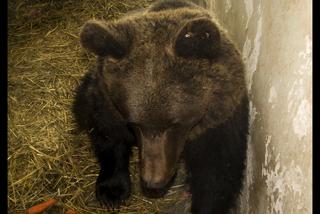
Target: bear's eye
{"x":118,"y":68}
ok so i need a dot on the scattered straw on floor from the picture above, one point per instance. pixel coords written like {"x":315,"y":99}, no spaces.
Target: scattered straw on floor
{"x":47,"y":158}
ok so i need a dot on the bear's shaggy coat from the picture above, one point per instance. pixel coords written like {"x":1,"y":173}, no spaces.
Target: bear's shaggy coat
{"x":168,"y":79}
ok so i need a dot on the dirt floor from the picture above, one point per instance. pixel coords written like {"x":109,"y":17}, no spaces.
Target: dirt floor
{"x":48,"y":158}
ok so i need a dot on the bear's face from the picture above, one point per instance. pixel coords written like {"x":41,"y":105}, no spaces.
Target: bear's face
{"x":158,"y":71}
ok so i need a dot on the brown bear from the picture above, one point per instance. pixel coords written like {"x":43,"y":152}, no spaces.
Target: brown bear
{"x":169,"y":80}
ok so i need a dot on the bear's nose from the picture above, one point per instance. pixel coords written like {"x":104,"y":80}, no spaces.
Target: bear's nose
{"x":153,"y":185}
{"x":154,"y":190}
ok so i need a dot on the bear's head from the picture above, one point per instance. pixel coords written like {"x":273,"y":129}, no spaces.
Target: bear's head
{"x":166,"y":72}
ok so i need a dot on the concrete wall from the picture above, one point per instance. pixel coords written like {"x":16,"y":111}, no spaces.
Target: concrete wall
{"x":275,"y":38}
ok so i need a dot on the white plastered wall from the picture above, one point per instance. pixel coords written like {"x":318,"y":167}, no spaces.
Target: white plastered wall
{"x":275,"y":38}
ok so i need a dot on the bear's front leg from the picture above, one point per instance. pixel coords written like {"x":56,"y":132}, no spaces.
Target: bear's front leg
{"x":216,"y":163}
{"x":216,"y":172}
{"x":110,"y":137}
{"x":113,"y":184}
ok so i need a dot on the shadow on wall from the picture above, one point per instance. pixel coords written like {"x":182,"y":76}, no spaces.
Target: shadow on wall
{"x":275,"y":40}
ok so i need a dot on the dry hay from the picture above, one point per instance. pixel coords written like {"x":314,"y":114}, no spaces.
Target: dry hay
{"x":47,"y":158}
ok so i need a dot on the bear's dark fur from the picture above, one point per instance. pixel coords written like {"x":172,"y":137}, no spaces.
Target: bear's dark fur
{"x":168,"y":79}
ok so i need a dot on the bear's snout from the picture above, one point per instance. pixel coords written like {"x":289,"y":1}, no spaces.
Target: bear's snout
{"x":158,"y":158}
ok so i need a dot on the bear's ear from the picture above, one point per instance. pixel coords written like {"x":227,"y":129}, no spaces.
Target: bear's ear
{"x":198,"y":38}
{"x":104,"y":39}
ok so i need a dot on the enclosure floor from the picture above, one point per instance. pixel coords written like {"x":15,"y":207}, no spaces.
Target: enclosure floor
{"x":48,"y":158}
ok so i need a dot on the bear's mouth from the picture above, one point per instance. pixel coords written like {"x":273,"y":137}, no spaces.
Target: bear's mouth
{"x":157,"y":192}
